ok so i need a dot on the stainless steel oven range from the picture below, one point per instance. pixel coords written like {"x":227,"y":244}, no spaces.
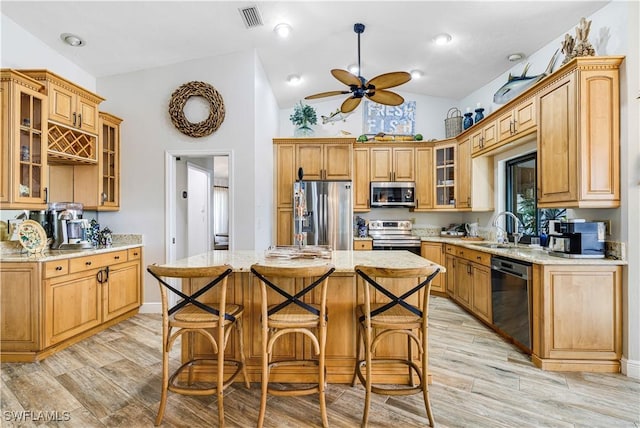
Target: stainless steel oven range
{"x":393,"y":235}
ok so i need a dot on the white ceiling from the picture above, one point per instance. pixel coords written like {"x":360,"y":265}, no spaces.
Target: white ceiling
{"x":126,"y":36}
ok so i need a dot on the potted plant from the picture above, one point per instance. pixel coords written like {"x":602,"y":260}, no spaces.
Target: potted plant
{"x":303,"y":116}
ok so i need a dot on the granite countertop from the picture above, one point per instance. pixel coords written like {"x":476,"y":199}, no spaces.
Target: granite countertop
{"x":13,"y":252}
{"x":343,"y":260}
{"x":537,"y":255}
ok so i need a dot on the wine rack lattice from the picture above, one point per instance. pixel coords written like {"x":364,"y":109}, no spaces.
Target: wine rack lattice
{"x":69,"y":146}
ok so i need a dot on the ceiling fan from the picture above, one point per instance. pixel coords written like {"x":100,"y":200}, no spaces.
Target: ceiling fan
{"x":374,"y":89}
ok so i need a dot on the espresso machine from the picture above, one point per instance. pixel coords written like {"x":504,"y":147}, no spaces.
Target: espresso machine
{"x":69,"y":229}
{"x":577,"y":239}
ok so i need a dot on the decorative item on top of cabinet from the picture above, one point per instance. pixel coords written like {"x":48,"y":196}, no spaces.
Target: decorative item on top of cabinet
{"x":579,"y":135}
{"x":73,"y":119}
{"x":23,"y":160}
{"x":453,"y":123}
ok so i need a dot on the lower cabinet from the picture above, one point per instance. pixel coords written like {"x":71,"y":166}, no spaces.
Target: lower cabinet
{"x":50,"y":305}
{"x":470,"y":285}
{"x":434,"y":251}
{"x":362,"y":245}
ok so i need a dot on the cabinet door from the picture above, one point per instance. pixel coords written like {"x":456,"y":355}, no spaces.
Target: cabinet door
{"x":450,"y":276}
{"x":121,"y":292}
{"x":433,"y":252}
{"x":309,"y":157}
{"x":5,"y":143}
{"x":505,"y":126}
{"x":284,"y":219}
{"x":403,"y":164}
{"x":72,"y":305}
{"x":481,"y":299}
{"x":489,"y":134}
{"x":337,"y":162}
{"x":87,"y":115}
{"x":476,"y":140}
{"x":20,"y":293}
{"x":62,"y":105}
{"x":557,"y":146}
{"x":424,"y":178}
{"x":361,"y":179}
{"x":445,"y":172}
{"x":464,"y":283}
{"x":524,"y":115}
{"x":286,"y":171}
{"x":109,"y":164}
{"x":380,"y":163}
{"x":463,"y":178}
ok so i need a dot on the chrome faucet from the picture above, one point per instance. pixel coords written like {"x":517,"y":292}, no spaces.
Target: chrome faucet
{"x":517,"y":223}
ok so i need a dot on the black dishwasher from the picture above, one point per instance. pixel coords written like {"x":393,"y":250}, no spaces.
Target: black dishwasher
{"x":511,"y":299}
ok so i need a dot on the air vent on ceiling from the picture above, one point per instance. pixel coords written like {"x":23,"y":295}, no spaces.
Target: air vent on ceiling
{"x":251,"y":16}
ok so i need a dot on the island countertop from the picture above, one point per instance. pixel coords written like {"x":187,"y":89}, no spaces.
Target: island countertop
{"x":343,"y":260}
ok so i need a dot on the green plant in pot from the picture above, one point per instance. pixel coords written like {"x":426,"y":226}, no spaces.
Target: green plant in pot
{"x":303,"y":116}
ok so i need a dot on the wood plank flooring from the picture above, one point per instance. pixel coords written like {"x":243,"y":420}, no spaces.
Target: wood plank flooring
{"x":113,"y":379}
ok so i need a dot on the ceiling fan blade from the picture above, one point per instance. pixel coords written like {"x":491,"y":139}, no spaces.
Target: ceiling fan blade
{"x":345,"y":77}
{"x":326,"y":94}
{"x":389,"y":80}
{"x":386,"y":97}
{"x":350,"y":104}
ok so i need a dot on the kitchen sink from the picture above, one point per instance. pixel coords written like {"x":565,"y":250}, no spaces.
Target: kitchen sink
{"x":493,"y":245}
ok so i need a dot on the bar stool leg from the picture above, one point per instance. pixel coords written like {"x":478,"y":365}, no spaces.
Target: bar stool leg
{"x":367,"y":396}
{"x":239,"y":329}
{"x":165,"y":382}
{"x":322,"y":331}
{"x":265,"y":376}
{"x":358,"y":353}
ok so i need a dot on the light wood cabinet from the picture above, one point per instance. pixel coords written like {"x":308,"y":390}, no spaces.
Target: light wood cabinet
{"x":434,"y":252}
{"x":97,"y":187}
{"x":445,"y":175}
{"x":471,"y":285}
{"x":424,"y":179}
{"x":518,"y":121}
{"x":463,"y":175}
{"x":362,"y":245}
{"x":450,"y":265}
{"x":324,"y":161}
{"x":361,"y":179}
{"x":577,"y":317}
{"x":23,"y":155}
{"x":50,"y":305}
{"x":485,"y":137}
{"x":579,"y":135}
{"x":69,"y":104}
{"x":392,"y":164}
{"x":481,"y":292}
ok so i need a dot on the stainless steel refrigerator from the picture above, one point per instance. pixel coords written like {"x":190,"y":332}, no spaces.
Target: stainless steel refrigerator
{"x":322,"y":214}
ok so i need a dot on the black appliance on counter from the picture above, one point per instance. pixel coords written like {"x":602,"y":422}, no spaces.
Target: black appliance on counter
{"x":577,"y":239}
{"x":393,"y":235}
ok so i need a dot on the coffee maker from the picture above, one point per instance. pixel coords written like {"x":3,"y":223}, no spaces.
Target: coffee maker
{"x":69,"y":229}
{"x":577,"y":239}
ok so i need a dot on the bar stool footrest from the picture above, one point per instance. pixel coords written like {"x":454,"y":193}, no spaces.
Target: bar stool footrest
{"x":185,"y":390}
{"x":397,"y":389}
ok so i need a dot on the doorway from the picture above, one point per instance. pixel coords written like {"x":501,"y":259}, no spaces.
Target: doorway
{"x":195,"y":210}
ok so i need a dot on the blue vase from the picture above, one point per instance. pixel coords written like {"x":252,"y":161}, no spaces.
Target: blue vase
{"x":479,"y":115}
{"x":468,"y":121}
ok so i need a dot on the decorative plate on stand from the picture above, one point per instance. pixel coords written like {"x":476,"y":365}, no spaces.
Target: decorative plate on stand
{"x":32,"y":236}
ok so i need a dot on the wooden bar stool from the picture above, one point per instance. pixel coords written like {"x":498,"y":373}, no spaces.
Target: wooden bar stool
{"x":384,"y":314}
{"x":292,"y":315}
{"x":191,"y":316}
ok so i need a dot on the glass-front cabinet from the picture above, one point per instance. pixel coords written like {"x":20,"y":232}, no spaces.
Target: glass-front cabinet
{"x":24,"y":142}
{"x":445,"y":176}
{"x":109,"y":162}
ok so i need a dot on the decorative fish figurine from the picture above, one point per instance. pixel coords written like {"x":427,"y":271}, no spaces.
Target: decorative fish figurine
{"x":336,"y":116}
{"x":517,"y":84}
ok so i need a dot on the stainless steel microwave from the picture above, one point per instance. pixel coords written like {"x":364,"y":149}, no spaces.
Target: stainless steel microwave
{"x":393,"y":194}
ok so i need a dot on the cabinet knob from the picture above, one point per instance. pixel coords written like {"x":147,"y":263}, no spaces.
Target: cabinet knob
{"x":135,"y":254}
{"x":58,"y":267}
{"x":117,"y":257}
{"x":87,"y":263}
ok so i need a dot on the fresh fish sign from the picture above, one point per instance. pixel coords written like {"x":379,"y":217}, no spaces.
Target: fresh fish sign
{"x":517,"y":84}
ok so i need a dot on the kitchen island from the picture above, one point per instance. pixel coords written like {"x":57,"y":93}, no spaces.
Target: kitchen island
{"x":344,"y":292}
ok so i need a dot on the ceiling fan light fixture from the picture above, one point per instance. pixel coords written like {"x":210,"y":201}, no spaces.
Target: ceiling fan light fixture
{"x":354,"y":69}
{"x":283,"y":30}
{"x":416,"y":74}
{"x":72,"y":40}
{"x":442,"y":39}
{"x":294,"y":79}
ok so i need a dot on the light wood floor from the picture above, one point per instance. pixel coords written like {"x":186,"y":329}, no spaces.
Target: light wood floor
{"x":113,"y":378}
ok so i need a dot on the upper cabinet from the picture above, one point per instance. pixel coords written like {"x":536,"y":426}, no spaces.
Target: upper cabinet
{"x":445,"y":175}
{"x":518,"y":120}
{"x":485,"y":137}
{"x":579,"y":135}
{"x":391,"y":164}
{"x":424,"y":179}
{"x":23,"y":159}
{"x":324,"y":161}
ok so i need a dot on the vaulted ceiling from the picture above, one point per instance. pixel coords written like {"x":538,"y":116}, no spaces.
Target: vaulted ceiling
{"x":125,"y":36}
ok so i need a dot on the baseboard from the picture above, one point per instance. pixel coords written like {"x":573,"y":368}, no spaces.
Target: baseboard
{"x":151,"y":308}
{"x":631,"y":368}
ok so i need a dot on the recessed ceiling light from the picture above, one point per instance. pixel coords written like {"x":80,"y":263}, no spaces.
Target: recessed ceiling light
{"x":442,"y":39}
{"x":72,"y":39}
{"x":294,"y":79}
{"x":416,"y":74}
{"x":353,"y":69}
{"x":283,"y":30}
{"x":515,"y":57}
